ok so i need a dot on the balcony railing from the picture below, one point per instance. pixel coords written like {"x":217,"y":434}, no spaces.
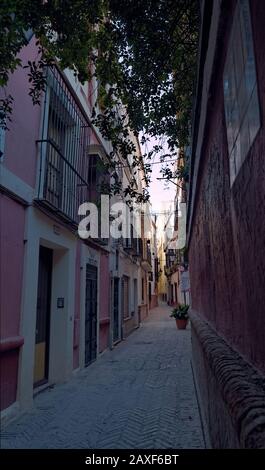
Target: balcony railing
{"x":64,"y":150}
{"x":131,"y":244}
{"x":64,"y":189}
{"x":148,"y":254}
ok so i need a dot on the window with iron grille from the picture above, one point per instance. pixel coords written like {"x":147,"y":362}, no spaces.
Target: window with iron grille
{"x":131,"y":243}
{"x":64,"y":149}
{"x":240,"y":90}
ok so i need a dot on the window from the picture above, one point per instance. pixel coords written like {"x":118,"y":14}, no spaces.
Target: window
{"x":240,"y":90}
{"x":64,"y":149}
{"x":2,"y":142}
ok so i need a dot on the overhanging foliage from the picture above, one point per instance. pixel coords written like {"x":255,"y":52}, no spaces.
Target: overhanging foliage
{"x":143,"y":52}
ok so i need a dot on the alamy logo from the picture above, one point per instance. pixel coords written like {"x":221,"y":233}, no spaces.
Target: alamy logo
{"x":117,"y":220}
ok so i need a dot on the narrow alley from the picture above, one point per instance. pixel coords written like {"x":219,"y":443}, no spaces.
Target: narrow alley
{"x":139,"y":395}
{"x":132,"y":228}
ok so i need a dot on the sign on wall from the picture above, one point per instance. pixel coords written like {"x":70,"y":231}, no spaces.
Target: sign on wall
{"x":184,"y":281}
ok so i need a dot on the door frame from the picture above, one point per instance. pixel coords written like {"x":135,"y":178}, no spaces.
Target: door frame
{"x":118,"y":280}
{"x":96,"y":279}
{"x":48,"y":320}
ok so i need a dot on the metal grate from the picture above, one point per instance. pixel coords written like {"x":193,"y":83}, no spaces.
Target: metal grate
{"x":64,"y":149}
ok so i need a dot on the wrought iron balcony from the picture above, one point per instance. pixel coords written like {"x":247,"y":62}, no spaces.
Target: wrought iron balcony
{"x":64,"y":150}
{"x":131,"y":244}
{"x":61,"y":186}
{"x":68,"y":174}
{"x":146,"y":256}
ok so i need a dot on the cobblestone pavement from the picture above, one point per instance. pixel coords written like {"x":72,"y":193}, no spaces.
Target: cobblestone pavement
{"x":140,"y":395}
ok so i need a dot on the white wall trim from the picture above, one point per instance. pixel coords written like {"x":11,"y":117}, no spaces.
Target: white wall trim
{"x":15,"y":185}
{"x":39,"y":229}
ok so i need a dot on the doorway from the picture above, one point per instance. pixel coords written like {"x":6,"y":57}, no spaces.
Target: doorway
{"x":42,"y":332}
{"x":116,"y":333}
{"x":125,"y":297}
{"x":135,"y":302}
{"x":149,"y":292}
{"x":91,"y":314}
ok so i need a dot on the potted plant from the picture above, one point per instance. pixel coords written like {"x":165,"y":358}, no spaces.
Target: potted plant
{"x":180,"y":313}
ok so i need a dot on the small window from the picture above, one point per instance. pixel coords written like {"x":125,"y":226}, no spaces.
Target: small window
{"x":240,"y":90}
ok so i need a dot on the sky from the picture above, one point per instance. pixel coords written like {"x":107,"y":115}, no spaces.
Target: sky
{"x":161,"y":192}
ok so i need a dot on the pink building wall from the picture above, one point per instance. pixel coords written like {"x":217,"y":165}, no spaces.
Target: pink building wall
{"x":20,"y":140}
{"x":227,"y":254}
{"x":104,"y":312}
{"x":20,"y":158}
{"x":12,"y":222}
{"x":227,"y":251}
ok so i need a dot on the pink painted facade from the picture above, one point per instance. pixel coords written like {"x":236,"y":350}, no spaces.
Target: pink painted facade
{"x":104,"y":302}
{"x":41,"y":190}
{"x":20,"y":140}
{"x":20,"y":160}
{"x":12,"y":222}
{"x":18,"y":185}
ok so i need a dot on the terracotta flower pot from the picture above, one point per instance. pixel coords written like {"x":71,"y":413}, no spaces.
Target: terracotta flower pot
{"x":181,"y":324}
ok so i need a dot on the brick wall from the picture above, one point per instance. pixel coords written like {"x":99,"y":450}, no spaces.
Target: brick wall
{"x":231,"y":391}
{"x":227,"y":267}
{"x":227,"y":249}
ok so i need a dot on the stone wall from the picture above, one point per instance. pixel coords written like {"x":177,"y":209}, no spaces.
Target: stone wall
{"x":231,"y":391}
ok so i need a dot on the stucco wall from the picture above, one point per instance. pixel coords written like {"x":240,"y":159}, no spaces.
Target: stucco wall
{"x":12,"y":221}
{"x":20,"y":140}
